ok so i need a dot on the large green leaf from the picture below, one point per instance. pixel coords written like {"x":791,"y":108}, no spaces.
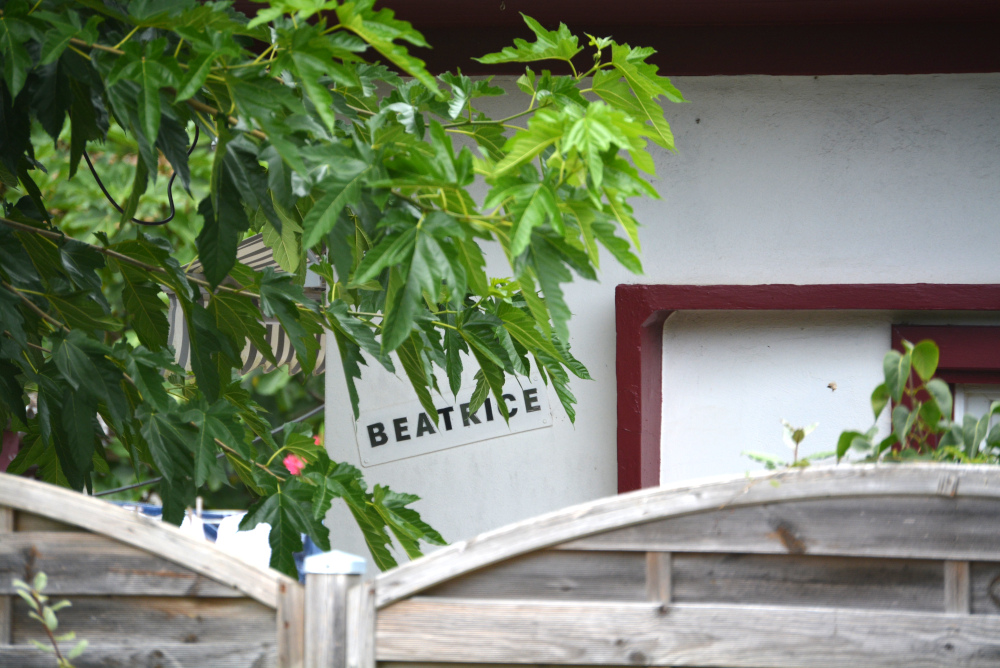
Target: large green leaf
{"x":381,"y":29}
{"x":145,"y":308}
{"x":558,"y":44}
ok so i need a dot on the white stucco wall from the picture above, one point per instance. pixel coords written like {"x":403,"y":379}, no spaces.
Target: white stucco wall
{"x":891,"y":179}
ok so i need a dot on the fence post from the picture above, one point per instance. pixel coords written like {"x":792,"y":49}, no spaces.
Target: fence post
{"x":329,"y":577}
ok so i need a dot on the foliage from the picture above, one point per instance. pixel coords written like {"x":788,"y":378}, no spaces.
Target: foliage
{"x":45,"y":614}
{"x":319,"y":147}
{"x":793,"y":437}
{"x":921,"y":408}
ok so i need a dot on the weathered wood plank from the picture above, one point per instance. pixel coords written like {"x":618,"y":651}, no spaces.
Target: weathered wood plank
{"x":730,"y":492}
{"x":772,"y":579}
{"x":133,"y":529}
{"x":985,"y":588}
{"x":194,"y":655}
{"x":434,"y":630}
{"x":6,"y":527}
{"x":140,"y":621}
{"x":957,"y":593}
{"x":90,"y":564}
{"x":290,"y":620}
{"x":957,"y":529}
{"x":588,"y":576}
{"x":31,"y":522}
{"x":659,"y":577}
{"x":326,"y":619}
{"x":361,"y":626}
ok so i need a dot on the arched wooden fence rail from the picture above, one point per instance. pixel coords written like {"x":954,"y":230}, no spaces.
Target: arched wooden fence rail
{"x":847,"y":567}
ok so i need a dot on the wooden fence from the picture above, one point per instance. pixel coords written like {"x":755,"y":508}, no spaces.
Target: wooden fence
{"x":847,"y":567}
{"x":142,"y":593}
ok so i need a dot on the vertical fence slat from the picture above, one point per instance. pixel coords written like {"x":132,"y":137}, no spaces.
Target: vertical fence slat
{"x":957,"y":588}
{"x":6,"y":526}
{"x":658,"y":576}
{"x":290,"y":619}
{"x":361,"y":626}
{"x":329,"y":579}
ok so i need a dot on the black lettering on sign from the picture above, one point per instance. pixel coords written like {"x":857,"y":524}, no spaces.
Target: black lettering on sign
{"x":424,"y":425}
{"x":400,"y":426}
{"x":489,"y":410}
{"x":446,"y":414}
{"x":531,"y":400}
{"x":507,"y":398}
{"x":377,"y":435}
{"x":465,"y":415}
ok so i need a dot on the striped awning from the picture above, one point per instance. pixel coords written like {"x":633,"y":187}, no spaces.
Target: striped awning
{"x":256,"y":255}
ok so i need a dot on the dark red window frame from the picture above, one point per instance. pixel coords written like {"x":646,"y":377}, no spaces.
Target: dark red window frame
{"x":641,"y":310}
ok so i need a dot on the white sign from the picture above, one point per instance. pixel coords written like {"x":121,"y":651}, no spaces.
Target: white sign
{"x":406,"y":430}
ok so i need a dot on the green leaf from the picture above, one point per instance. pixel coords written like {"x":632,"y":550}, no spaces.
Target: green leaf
{"x":896,"y":367}
{"x":925,"y":357}
{"x":612,"y":89}
{"x":16,"y":61}
{"x":211,"y":350}
{"x":534,"y":204}
{"x":288,"y":522}
{"x":941,"y":393}
{"x":880,"y":398}
{"x":849,"y":440}
{"x":523,"y":328}
{"x":169,"y":443}
{"x":78,"y":420}
{"x":339,"y":191}
{"x":139,"y":183}
{"x":197,"y":73}
{"x":405,"y":523}
{"x":427,"y":270}
{"x":544,"y":129}
{"x":145,"y":308}
{"x":903,"y":420}
{"x":217,"y":421}
{"x":551,"y":273}
{"x":413,"y":365}
{"x":558,"y":44}
{"x":381,"y":29}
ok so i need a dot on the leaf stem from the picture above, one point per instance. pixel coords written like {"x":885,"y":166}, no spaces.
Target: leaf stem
{"x":201,"y":106}
{"x":121,"y":257}
{"x":95,"y":45}
{"x":34,"y":307}
{"x":499,"y":121}
{"x":126,"y":38}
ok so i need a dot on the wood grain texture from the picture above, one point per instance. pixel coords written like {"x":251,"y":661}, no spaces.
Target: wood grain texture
{"x":801,"y":580}
{"x":90,"y":564}
{"x":164,"y":540}
{"x":957,"y":591}
{"x":985,"y":588}
{"x":722,"y":494}
{"x":290,"y":622}
{"x":361,"y":626}
{"x":436,"y":630}
{"x":194,"y":655}
{"x":659,"y":577}
{"x":6,"y":527}
{"x":139,"y":621}
{"x":326,"y":619}
{"x":555,"y":575}
{"x":931,"y":527}
{"x":31,"y":522}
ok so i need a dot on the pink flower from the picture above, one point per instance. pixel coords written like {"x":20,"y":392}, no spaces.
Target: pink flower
{"x":317,"y":439}
{"x":294,"y":464}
